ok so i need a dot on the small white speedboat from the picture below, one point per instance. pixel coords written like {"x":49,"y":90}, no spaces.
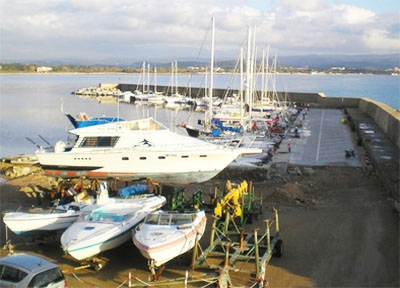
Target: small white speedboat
{"x":107,"y":226}
{"x":164,"y":235}
{"x":28,"y":221}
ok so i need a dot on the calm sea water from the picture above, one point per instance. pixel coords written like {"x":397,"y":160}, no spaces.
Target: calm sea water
{"x":34,"y":104}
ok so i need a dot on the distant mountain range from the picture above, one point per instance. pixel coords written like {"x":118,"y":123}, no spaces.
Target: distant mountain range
{"x":324,"y":62}
{"x":379,"y":62}
{"x":375,"y":62}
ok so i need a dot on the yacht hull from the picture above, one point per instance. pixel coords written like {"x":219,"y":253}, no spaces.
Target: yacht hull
{"x":138,"y":149}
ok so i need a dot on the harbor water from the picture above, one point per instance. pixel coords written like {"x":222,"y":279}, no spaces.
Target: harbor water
{"x":34,"y":105}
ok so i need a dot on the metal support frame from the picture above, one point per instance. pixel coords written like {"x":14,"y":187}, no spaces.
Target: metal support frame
{"x":232,"y":249}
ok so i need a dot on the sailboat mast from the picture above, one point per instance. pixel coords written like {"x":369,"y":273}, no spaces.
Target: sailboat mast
{"x":252,"y":71}
{"x":267,"y":73}
{"x":262,"y":77}
{"x":144,"y":73}
{"x":155,"y":79}
{"x":148,"y":78}
{"x":210,"y":91}
{"x":241,"y":88}
{"x":248,"y":61}
{"x":172,"y":78}
{"x":176,"y":77}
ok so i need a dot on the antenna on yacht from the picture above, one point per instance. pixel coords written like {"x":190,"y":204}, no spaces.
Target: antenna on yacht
{"x":47,"y":142}
{"x":30,"y":140}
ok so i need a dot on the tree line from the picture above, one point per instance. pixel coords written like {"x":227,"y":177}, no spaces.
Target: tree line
{"x":32,"y":68}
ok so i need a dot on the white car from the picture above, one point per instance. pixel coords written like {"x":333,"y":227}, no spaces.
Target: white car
{"x":24,"y":270}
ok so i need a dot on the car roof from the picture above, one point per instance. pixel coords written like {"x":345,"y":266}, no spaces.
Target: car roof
{"x":27,"y":262}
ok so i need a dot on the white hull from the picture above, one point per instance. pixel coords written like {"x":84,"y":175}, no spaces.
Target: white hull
{"x":38,"y":220}
{"x":107,"y":227}
{"x":167,"y":167}
{"x":89,"y":244}
{"x":162,"y":243}
{"x":144,"y":152}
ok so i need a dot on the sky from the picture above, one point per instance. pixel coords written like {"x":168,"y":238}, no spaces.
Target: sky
{"x":99,"y":31}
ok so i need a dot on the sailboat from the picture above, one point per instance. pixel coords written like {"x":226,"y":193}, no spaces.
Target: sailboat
{"x":176,"y":100}
{"x":207,"y":129}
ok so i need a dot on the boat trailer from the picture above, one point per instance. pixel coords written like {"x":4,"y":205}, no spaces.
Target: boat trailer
{"x":232,"y":249}
{"x":94,"y":263}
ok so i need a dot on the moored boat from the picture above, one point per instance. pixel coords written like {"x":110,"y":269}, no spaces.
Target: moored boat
{"x":164,"y":235}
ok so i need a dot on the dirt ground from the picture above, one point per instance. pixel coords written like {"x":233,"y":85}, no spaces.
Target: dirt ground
{"x":337,"y":224}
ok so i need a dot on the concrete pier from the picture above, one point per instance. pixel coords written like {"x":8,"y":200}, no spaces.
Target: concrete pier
{"x":374,"y":126}
{"x":323,"y":140}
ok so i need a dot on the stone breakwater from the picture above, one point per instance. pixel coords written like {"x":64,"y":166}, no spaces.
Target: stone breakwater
{"x":19,"y":166}
{"x":383,"y":153}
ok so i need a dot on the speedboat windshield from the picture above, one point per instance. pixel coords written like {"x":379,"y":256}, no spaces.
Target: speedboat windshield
{"x":169,"y":219}
{"x":104,"y":217}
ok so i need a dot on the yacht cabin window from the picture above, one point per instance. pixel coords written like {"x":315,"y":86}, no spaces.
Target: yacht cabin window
{"x":101,"y":141}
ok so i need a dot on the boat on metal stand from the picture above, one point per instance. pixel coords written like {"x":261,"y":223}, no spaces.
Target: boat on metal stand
{"x":137,"y":149}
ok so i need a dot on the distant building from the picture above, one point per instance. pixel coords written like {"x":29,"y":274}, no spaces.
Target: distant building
{"x":44,"y":69}
{"x":339,"y":68}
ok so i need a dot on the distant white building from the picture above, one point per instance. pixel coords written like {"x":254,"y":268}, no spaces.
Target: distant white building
{"x":44,"y":69}
{"x":339,"y":68}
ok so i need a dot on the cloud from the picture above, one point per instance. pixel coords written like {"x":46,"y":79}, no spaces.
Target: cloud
{"x":305,"y":5}
{"x":315,"y":26}
{"x":377,"y":40}
{"x":350,"y":15}
{"x":161,"y":29}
